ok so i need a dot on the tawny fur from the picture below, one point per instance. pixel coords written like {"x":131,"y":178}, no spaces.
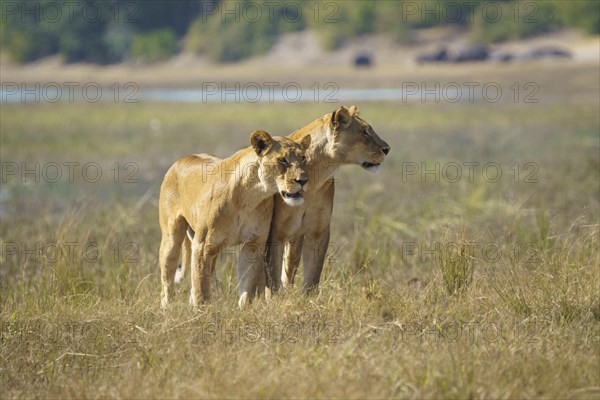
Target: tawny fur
{"x":226,"y":202}
{"x":338,"y":138}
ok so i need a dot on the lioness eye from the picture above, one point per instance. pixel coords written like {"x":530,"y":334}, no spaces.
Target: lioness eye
{"x":365,"y":134}
{"x":283,"y":161}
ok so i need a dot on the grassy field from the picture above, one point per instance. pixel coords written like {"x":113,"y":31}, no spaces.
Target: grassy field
{"x":478,"y":285}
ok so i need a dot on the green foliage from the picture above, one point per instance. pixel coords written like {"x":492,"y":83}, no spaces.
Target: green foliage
{"x":239,"y":41}
{"x":389,"y":17}
{"x":525,"y":19}
{"x":25,"y":40}
{"x":154,"y":46}
{"x":117,"y":39}
{"x":251,"y":28}
{"x":501,"y":21}
{"x":362,"y":17}
{"x":158,"y":14}
{"x":92,"y":31}
{"x":21,"y":45}
{"x":234,"y":37}
{"x":348,"y":20}
{"x":582,"y":14}
{"x":489,"y":21}
{"x":76,"y":35}
{"x":83,"y":41}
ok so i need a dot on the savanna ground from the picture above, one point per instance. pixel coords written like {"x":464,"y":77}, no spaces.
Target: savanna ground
{"x":398,"y":313}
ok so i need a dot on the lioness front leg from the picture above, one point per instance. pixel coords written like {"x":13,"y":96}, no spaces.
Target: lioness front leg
{"x":250,"y":269}
{"x":202,"y":266}
{"x":186,"y":261}
{"x":273,"y":265}
{"x":313,"y":254}
{"x":291,"y":261}
{"x":170,"y":246}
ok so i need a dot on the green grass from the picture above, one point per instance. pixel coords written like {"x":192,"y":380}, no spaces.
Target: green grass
{"x":385,"y":323}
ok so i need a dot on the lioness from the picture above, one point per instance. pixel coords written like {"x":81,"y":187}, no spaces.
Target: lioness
{"x":338,"y":138}
{"x":226,"y":202}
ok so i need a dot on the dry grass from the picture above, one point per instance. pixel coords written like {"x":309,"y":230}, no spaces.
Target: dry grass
{"x":524,"y":321}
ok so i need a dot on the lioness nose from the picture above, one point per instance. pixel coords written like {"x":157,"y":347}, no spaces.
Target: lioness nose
{"x":386,"y":150}
{"x":302,"y":182}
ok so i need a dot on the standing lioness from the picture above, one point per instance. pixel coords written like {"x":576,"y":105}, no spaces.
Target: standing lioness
{"x":338,"y":138}
{"x":226,"y":202}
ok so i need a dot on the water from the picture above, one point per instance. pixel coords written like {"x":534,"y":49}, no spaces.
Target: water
{"x":250,"y":93}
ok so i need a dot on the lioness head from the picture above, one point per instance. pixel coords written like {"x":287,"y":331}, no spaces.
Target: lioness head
{"x":282,"y":165}
{"x":355,"y":141}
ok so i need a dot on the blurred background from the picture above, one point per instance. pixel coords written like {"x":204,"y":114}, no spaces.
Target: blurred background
{"x":108,"y":32}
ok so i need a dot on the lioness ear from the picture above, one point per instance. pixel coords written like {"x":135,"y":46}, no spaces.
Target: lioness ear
{"x":305,"y":142}
{"x":353,"y":110}
{"x":261,"y":141}
{"x":341,"y":118}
